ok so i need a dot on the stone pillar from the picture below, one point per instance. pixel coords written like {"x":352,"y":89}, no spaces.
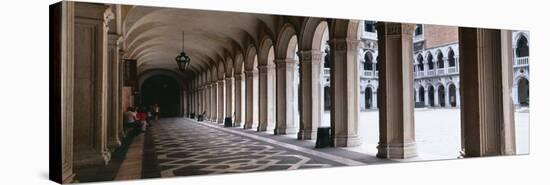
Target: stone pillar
{"x":457,"y":96}
{"x":221,"y":101}
{"x":487,"y":112}
{"x":267,"y":96}
{"x":285,"y":96}
{"x":311,"y":109}
{"x":214,"y":106}
{"x":436,"y":97}
{"x":427,"y":97}
{"x":374,"y":99}
{"x":239,"y":100}
{"x":208,"y":102}
{"x":447,"y":102}
{"x":229,"y":104}
{"x":397,"y":138}
{"x":62,"y":93}
{"x":91,"y":84}
{"x":251,"y":90}
{"x":112,"y":73}
{"x":344,"y":85}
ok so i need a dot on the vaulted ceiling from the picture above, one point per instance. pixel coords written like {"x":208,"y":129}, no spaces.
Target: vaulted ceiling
{"x":153,"y":36}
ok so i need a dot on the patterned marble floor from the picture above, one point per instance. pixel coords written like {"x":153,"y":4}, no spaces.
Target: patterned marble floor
{"x":183,"y":147}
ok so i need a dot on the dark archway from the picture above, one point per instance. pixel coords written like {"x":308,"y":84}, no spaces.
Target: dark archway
{"x":522,"y":47}
{"x":327,"y":98}
{"x":421,"y":93}
{"x":441,"y":95}
{"x":164,"y":91}
{"x":368,"y":98}
{"x":440,"y":63}
{"x":420,"y":60}
{"x":523,"y":92}
{"x":368,"y":62}
{"x":431,"y":96}
{"x":430,"y":61}
{"x":451,"y":58}
{"x":452,"y":95}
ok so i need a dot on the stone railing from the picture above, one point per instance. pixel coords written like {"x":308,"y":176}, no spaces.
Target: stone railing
{"x":521,"y":61}
{"x":326,"y":72}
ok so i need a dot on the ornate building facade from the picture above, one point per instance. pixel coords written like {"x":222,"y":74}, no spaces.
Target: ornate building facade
{"x":436,"y":69}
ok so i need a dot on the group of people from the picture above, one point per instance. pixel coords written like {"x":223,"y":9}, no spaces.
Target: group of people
{"x":139,"y":118}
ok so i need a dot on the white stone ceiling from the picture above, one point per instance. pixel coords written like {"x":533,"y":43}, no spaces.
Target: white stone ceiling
{"x":153,"y":35}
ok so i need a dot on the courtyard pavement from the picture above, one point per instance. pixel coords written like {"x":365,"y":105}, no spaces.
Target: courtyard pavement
{"x":437,"y":132}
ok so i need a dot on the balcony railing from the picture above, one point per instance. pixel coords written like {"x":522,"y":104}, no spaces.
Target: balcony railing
{"x":431,"y":73}
{"x":521,"y":61}
{"x":452,"y":70}
{"x":326,"y":71}
{"x":440,"y":71}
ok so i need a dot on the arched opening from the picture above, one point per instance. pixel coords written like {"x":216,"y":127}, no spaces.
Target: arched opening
{"x":368,"y":62}
{"x":523,"y":92}
{"x":430,"y":61}
{"x":368,"y":98}
{"x":451,"y":58}
{"x":452,"y":95}
{"x":326,"y":98}
{"x":440,"y":63}
{"x":420,"y":60}
{"x":441,"y":95}
{"x":421,"y":93}
{"x":431,"y":96}
{"x":522,"y":47}
{"x":163,"y":91}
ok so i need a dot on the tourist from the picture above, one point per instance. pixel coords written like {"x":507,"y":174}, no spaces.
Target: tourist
{"x":142,"y":118}
{"x":156,"y":110}
{"x":150,"y":116}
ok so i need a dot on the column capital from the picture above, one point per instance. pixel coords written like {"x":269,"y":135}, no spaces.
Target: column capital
{"x":386,"y":28}
{"x":311,"y":55}
{"x":239,"y":76}
{"x":250,"y":73}
{"x":285,"y":61}
{"x":268,"y":66}
{"x":339,"y":44}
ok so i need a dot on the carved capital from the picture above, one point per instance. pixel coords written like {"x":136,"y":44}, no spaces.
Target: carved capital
{"x":339,"y":44}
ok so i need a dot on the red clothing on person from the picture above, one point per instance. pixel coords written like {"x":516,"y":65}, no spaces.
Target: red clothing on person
{"x":141,"y":116}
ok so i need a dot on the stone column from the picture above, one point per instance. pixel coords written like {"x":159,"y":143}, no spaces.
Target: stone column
{"x":447,"y":102}
{"x":457,"y":96}
{"x":487,"y":113}
{"x":250,"y":99}
{"x":62,"y":63}
{"x":374,"y":99}
{"x":397,"y":138}
{"x":221,"y":101}
{"x":311,"y":91}
{"x":285,"y":96}
{"x":112,"y":73}
{"x":239,"y":100}
{"x":436,"y":97}
{"x":229,"y":98}
{"x":208,"y":102}
{"x":344,"y":85}
{"x":214,"y":106}
{"x":91,"y":85}
{"x":267,"y":96}
{"x":427,"y":97}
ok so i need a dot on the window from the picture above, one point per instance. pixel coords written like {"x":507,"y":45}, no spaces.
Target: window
{"x":451,"y":58}
{"x":419,"y":30}
{"x":420,"y":60}
{"x":430,"y":61}
{"x":522,"y":47}
{"x":440,"y":63}
{"x":368,"y":61}
{"x":369,"y":26}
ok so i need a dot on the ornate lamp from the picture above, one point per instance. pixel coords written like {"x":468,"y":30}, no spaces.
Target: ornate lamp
{"x":182,"y":59}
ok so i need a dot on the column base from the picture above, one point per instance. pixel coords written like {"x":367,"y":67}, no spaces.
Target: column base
{"x":307,"y":134}
{"x":237,"y":124}
{"x":346,"y":141}
{"x":90,"y":159}
{"x":285,"y":131}
{"x":113,"y":145}
{"x":397,"y":151}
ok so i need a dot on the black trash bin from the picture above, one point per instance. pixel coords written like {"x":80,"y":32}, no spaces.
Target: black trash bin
{"x":192,"y":116}
{"x":228,"y":122}
{"x":323,"y":137}
{"x":200,"y":118}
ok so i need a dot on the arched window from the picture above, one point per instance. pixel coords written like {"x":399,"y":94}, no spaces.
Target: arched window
{"x":430,"y":61}
{"x":522,"y":47}
{"x":451,"y":58}
{"x":368,"y":61}
{"x":327,"y":57}
{"x":420,"y":60}
{"x":440,"y":63}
